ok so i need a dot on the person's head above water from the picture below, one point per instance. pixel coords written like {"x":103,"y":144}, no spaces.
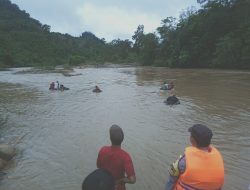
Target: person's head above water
{"x":99,"y":180}
{"x":116,"y":135}
{"x":201,"y":135}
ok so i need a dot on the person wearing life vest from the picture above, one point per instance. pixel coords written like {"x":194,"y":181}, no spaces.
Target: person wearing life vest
{"x":201,"y":167}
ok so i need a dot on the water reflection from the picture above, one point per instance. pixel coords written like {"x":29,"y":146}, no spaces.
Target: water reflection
{"x":59,"y":133}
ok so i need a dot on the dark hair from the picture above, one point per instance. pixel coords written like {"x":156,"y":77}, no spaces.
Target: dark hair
{"x":99,"y":179}
{"x":116,"y":135}
{"x":202,"y":134}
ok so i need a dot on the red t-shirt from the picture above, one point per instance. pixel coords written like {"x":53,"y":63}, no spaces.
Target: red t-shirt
{"x":116,"y":161}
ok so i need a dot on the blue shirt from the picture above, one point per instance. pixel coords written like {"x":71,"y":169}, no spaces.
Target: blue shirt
{"x":172,"y":179}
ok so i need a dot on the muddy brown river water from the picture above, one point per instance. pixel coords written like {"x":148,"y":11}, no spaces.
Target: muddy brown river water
{"x":58,"y":134}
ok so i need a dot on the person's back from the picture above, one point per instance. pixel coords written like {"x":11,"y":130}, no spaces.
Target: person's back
{"x":117,"y":161}
{"x":112,"y":159}
{"x":201,"y":167}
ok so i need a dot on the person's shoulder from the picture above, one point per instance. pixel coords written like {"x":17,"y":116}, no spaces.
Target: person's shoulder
{"x":105,"y":148}
{"x":125,"y":153}
{"x":214,"y":149}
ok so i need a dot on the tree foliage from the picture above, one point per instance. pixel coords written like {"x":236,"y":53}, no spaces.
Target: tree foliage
{"x":27,"y":42}
{"x":215,"y":36}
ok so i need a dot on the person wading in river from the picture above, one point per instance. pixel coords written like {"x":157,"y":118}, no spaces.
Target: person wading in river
{"x":117,"y":161}
{"x":201,"y":167}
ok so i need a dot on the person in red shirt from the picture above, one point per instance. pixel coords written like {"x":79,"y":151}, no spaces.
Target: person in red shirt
{"x":117,"y":161}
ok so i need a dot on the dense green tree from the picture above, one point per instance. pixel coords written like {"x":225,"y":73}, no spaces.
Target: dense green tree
{"x":145,"y":46}
{"x":27,"y":42}
{"x":137,"y":37}
{"x":122,"y":48}
{"x":214,"y":36}
{"x":149,"y":49}
{"x":217,"y":35}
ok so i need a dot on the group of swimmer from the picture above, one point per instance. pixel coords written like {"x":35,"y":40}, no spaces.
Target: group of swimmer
{"x":200,"y":167}
{"x":60,"y":87}
{"x":172,"y":99}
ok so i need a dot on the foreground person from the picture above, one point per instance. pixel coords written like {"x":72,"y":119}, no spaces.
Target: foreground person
{"x":99,"y":180}
{"x":117,"y":161}
{"x":201,"y":167}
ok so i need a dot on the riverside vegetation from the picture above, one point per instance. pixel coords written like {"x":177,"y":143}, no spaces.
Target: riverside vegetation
{"x":215,"y":36}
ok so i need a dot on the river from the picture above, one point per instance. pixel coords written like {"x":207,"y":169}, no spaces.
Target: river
{"x":58,"y":134}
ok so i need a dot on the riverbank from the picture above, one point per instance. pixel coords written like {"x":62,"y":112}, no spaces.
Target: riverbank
{"x":69,"y":71}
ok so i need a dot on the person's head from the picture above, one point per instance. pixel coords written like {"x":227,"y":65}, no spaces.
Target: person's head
{"x":200,"y":136}
{"x":99,"y":180}
{"x":116,"y":135}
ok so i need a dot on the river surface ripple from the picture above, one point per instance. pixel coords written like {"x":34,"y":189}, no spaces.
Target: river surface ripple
{"x":59,"y":134}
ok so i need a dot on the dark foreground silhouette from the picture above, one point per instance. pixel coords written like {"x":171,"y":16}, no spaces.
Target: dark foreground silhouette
{"x":99,"y":180}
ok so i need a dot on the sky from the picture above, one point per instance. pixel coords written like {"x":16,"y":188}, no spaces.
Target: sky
{"x":109,"y":19}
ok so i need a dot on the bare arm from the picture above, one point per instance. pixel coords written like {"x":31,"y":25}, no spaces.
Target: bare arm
{"x":131,"y":179}
{"x":99,"y":159}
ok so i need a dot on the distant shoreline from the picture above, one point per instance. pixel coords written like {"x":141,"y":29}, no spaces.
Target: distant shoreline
{"x":69,"y":70}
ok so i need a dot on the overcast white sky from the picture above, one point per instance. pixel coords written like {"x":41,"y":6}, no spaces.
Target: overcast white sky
{"x":109,"y":19}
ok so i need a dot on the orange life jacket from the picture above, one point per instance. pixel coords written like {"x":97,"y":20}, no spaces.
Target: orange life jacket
{"x":204,"y":170}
